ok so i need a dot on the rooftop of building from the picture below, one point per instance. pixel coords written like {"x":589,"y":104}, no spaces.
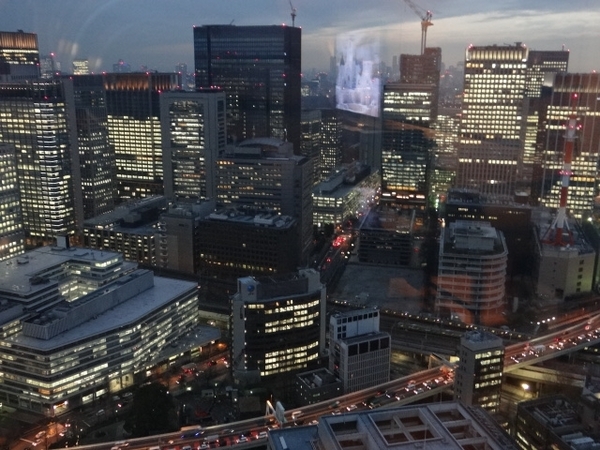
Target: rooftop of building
{"x":474,"y":197}
{"x":130,"y":214}
{"x":480,"y":336}
{"x":364,"y":337}
{"x":389,"y":218}
{"x":354,"y":313}
{"x":555,"y":412}
{"x":252,"y":217}
{"x":317,"y":378}
{"x":162,"y":293}
{"x":433,"y":426}
{"x":574,"y":240}
{"x":25,"y":273}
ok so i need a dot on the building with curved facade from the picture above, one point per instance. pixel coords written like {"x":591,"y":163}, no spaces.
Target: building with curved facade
{"x":278,"y":325}
{"x":472,"y":272}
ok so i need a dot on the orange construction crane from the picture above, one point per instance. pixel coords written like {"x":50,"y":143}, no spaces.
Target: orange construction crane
{"x":425,"y":16}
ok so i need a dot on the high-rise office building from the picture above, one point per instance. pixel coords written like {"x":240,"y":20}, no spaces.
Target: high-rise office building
{"x":572,"y":94}
{"x":94,"y":175}
{"x":409,"y":113}
{"x":265,"y":174}
{"x":278,"y":324}
{"x":133,"y":105}
{"x":541,"y":65}
{"x":193,"y":137}
{"x":259,"y":69}
{"x":37,"y":121}
{"x":490,"y":149}
{"x":310,"y":146}
{"x":478,"y":377}
{"x":331,"y":143}
{"x":423,"y":69}
{"x":49,"y":66}
{"x":81,"y":67}
{"x":407,"y":142}
{"x":11,"y":222}
{"x":19,"y":56}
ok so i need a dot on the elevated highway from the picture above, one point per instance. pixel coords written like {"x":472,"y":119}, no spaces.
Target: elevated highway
{"x":402,"y":391}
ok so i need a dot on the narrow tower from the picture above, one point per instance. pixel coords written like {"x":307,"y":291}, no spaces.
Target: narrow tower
{"x":560,"y":224}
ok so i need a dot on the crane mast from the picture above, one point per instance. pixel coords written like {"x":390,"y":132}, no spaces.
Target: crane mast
{"x":425,"y":16}
{"x":293,"y":13}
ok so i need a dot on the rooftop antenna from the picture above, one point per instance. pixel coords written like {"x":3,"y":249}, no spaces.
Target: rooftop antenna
{"x":293,"y":13}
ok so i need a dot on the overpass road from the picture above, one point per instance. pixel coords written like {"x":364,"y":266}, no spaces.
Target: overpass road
{"x":401,"y":391}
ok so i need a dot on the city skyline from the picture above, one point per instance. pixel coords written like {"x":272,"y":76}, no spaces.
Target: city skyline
{"x":160,"y":35}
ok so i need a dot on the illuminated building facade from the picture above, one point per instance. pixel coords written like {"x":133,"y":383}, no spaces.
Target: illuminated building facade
{"x":259,"y":69}
{"x":19,"y":56}
{"x":94,"y":161}
{"x":359,"y":354}
{"x":264,"y":173}
{"x":131,"y":229}
{"x":81,"y":67}
{"x":11,"y":222}
{"x":49,"y":66}
{"x":89,"y":324}
{"x":133,"y":105}
{"x":490,"y":149}
{"x":36,"y":120}
{"x":584,"y":166}
{"x":193,"y":137}
{"x":310,"y":145}
{"x":478,"y":377}
{"x":331,"y":143}
{"x":471,"y":272}
{"x":407,"y":142}
{"x":541,"y":65}
{"x":338,"y":199}
{"x":278,"y":324}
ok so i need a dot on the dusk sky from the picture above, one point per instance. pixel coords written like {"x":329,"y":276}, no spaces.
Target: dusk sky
{"x":158,"y":33}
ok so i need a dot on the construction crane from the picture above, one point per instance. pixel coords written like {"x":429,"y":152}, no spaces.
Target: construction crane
{"x":425,"y":16}
{"x":293,"y":13}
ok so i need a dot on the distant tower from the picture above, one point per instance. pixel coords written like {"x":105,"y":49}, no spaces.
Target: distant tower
{"x":81,"y":67}
{"x":19,"y":56}
{"x":330,"y":156}
{"x":193,"y":138}
{"x":94,"y":162}
{"x":259,"y":69}
{"x":409,"y":113}
{"x":490,"y":149}
{"x":49,"y":66}
{"x":133,"y":105}
{"x":121,"y":67}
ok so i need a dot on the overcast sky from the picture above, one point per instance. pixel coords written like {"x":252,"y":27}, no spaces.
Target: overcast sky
{"x":158,"y":33}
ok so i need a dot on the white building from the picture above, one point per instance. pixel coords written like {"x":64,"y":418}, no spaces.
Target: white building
{"x":359,"y":353}
{"x":79,"y":323}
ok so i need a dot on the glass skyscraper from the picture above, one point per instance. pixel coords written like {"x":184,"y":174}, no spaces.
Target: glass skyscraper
{"x":259,"y":68}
